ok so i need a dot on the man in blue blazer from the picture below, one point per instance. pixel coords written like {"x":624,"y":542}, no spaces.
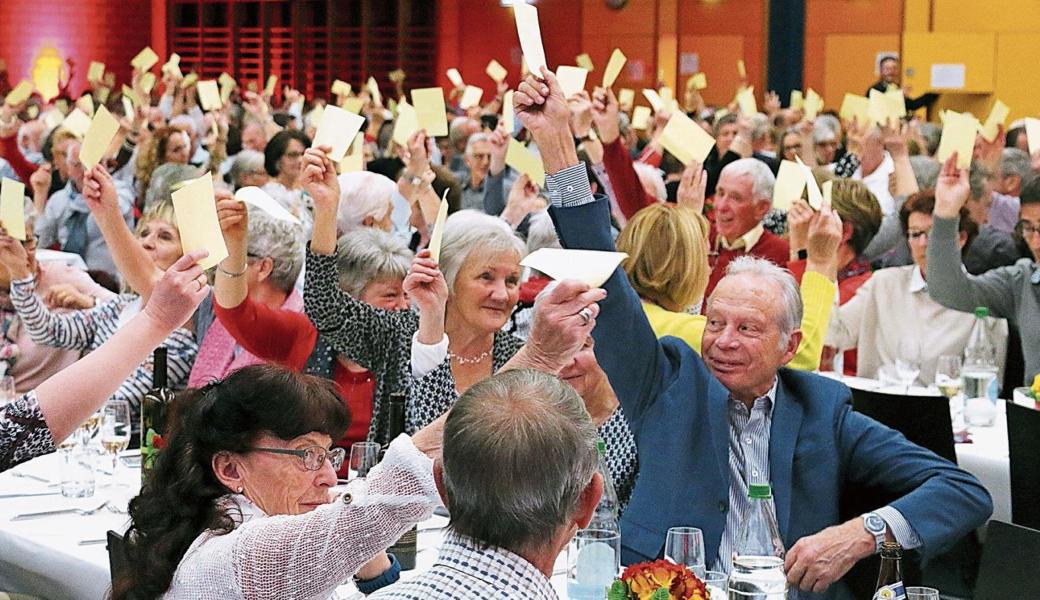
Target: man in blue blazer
{"x":705,"y":429}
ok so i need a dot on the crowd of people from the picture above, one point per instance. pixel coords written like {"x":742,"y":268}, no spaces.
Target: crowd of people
{"x":693,"y":363}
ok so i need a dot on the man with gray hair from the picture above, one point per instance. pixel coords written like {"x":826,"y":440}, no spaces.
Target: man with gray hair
{"x":743,"y":197}
{"x":1013,"y":173}
{"x":519,"y":477}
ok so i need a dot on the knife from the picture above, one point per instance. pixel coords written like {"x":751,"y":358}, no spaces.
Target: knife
{"x":29,"y":495}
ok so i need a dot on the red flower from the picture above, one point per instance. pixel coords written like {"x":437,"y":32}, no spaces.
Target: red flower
{"x":644,"y":579}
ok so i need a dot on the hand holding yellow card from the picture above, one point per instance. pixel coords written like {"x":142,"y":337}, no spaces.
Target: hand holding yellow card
{"x":337,"y":130}
{"x":530,"y":34}
{"x":797,"y":100}
{"x":147,"y":82}
{"x":455,"y":77}
{"x":746,"y":101}
{"x":195,"y":208}
{"x":406,"y":123}
{"x":471,"y":97}
{"x":12,"y":208}
{"x":699,"y":81}
{"x":209,"y":95}
{"x":584,"y":61}
{"x":614,"y":66}
{"x":429,"y":109}
{"x":272,"y":81}
{"x":96,"y":72}
{"x":19,"y":94}
{"x":99,"y":136}
{"x":997,"y":116}
{"x":340,"y":88}
{"x":525,"y":161}
{"x":813,"y":104}
{"x":685,"y":139}
{"x":77,"y":123}
{"x":958,"y":135}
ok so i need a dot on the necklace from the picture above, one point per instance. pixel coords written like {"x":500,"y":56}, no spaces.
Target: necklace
{"x":470,"y":360}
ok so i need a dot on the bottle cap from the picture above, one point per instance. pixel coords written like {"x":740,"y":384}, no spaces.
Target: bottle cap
{"x":601,"y":447}
{"x":981,"y":312}
{"x":891,"y":550}
{"x":759,"y":491}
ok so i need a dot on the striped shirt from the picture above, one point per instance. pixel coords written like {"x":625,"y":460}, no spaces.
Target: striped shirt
{"x":464,"y":571}
{"x":87,"y":329}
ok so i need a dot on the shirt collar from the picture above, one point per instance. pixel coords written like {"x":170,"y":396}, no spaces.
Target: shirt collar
{"x":497,"y":567}
{"x":746,"y":241}
{"x":766,"y":402}
{"x":917,"y":282}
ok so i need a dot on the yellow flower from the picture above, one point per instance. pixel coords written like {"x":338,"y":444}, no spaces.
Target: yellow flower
{"x":1036,"y":386}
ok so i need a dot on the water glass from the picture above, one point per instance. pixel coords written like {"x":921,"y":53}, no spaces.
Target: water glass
{"x":685,"y":546}
{"x":593,"y":560}
{"x":77,"y":471}
{"x":948,"y":375}
{"x":363,"y":456}
{"x":922,"y":593}
{"x":715,"y":583}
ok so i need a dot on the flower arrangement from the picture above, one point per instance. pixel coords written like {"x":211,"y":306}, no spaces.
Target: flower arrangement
{"x":1033,"y":391}
{"x":657,"y":580}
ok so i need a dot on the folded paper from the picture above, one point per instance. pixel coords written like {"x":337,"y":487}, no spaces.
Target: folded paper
{"x":257,"y":197}
{"x":337,"y":130}
{"x":592,"y":267}
{"x":12,"y":207}
{"x":195,"y":207}
{"x":99,"y":136}
{"x":429,"y":109}
{"x":686,"y":140}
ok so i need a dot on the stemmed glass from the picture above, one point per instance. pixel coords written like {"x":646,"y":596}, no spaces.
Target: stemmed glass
{"x":363,"y":456}
{"x":115,"y":431}
{"x":685,"y":546}
{"x":948,"y":379}
{"x":908,"y":363}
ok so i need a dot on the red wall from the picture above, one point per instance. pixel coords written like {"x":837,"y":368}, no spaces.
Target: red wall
{"x":110,"y":31}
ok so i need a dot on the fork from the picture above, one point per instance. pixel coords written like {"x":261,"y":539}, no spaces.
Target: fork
{"x":65,"y":511}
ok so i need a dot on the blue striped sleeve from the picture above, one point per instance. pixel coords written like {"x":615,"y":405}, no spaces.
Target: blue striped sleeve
{"x":569,"y":187}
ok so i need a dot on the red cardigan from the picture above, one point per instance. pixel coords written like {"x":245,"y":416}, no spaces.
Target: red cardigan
{"x":631,"y":196}
{"x":10,"y":151}
{"x":287,"y":337}
{"x":771,"y":247}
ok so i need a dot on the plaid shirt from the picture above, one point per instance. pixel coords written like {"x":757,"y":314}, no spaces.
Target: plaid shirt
{"x":465,"y":571}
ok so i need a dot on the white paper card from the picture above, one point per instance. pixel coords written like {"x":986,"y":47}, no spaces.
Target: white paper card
{"x":337,"y":130}
{"x":255,"y":196}
{"x":590,"y":266}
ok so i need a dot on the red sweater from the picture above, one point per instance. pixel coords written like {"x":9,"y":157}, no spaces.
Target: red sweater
{"x":9,"y":150}
{"x":628,"y":190}
{"x":287,"y":337}
{"x":771,"y":247}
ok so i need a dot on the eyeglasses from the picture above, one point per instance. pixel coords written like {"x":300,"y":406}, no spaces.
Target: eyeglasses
{"x":481,"y":156}
{"x":914,"y":236}
{"x":293,"y":154}
{"x":1024,"y":227}
{"x":313,"y":456}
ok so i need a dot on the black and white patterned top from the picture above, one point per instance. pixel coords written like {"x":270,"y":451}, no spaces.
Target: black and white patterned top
{"x":88,"y":329}
{"x":23,"y":432}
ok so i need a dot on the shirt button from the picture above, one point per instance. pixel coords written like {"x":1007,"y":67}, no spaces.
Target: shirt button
{"x":747,"y":441}
{"x":722,"y":506}
{"x":570,"y":188}
{"x":754,"y":472}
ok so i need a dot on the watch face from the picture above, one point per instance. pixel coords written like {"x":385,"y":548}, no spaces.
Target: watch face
{"x":874,"y":523}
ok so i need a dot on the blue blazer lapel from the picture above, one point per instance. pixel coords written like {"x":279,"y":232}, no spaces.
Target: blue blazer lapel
{"x":783,"y":437}
{"x":718,"y":397}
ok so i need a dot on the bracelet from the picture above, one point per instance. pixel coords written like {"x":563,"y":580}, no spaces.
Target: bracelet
{"x":220,"y":267}
{"x":387,"y":577}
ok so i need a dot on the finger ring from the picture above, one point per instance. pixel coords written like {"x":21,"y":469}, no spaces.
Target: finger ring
{"x":201,"y":282}
{"x":586,"y":315}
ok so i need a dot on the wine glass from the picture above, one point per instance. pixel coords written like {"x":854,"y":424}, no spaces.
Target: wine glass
{"x":115,"y":430}
{"x":89,"y":428}
{"x":908,"y":362}
{"x":363,"y":456}
{"x":685,"y":546}
{"x":922,"y":593}
{"x":948,"y":375}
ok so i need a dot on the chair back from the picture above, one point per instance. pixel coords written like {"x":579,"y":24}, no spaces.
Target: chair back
{"x":116,"y":557}
{"x":1023,"y":424}
{"x":1008,"y":566}
{"x":924,"y":420}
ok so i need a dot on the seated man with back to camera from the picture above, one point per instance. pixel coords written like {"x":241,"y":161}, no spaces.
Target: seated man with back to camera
{"x":737,"y":416}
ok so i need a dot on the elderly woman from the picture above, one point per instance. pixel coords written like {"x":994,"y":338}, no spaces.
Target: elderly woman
{"x":667,"y":265}
{"x":253,"y":447}
{"x":59,"y":285}
{"x":159,"y":244}
{"x":366,"y":201}
{"x":892,"y":313}
{"x":38,"y":421}
{"x":283,"y":162}
{"x":372,"y":266}
{"x":247,"y":169}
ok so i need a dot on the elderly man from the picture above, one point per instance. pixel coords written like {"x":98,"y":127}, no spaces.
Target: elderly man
{"x":1014,"y":172}
{"x":519,"y":478}
{"x":992,"y":248}
{"x":67,"y":220}
{"x":743,"y":197}
{"x":888,"y":68}
{"x":707,"y":428}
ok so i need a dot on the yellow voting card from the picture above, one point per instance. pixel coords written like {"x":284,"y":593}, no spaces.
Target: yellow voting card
{"x":789,"y":185}
{"x":997,"y":116}
{"x":20,"y":93}
{"x":272,"y":81}
{"x":96,"y":72}
{"x":584,"y":61}
{"x":173,"y":66}
{"x":641,"y":117}
{"x":530,"y":36}
{"x":209,"y":95}
{"x":396,"y":76}
{"x":614,"y":65}
{"x":455,"y":77}
{"x":128,"y":92}
{"x":147,"y":82}
{"x":746,"y":101}
{"x":406,"y":123}
{"x":653,"y":98}
{"x":471,"y":97}
{"x":429,"y":109}
{"x":593,"y":267}
{"x":572,"y":79}
{"x":879,"y":109}
{"x":102,"y":95}
{"x":685,"y":139}
{"x":86,"y":104}
{"x":226,"y":80}
{"x":145,"y":59}
{"x":666,"y":94}
{"x":495,"y":71}
{"x":128,"y":107}
{"x":827,"y":191}
{"x":340,"y":88}
{"x":196,"y":210}
{"x":77,"y":123}
{"x":99,"y":136}
{"x":741,"y":69}
{"x":225,"y":94}
{"x":507,"y":113}
{"x":813,"y":188}
{"x":797,"y":100}
{"x":354,"y":105}
{"x":699,"y":81}
{"x":626,"y":97}
{"x":337,"y":130}
{"x":813,"y":104}
{"x":355,"y":159}
{"x":958,"y":135}
{"x":1033,"y":135}
{"x":12,"y":207}
{"x":438,"y":229}
{"x":189,"y":80}
{"x":525,"y":161}
{"x":857,"y":108}
{"x":373,"y":88}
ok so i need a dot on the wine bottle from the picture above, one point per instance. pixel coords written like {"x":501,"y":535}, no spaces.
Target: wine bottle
{"x":405,"y":548}
{"x":153,"y":413}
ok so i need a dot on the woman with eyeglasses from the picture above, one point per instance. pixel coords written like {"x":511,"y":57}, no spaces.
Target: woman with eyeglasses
{"x":239,"y":503}
{"x":283,"y":161}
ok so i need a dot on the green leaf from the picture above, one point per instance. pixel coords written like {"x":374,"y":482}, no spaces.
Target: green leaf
{"x":661,"y":594}
{"x":618,"y":590}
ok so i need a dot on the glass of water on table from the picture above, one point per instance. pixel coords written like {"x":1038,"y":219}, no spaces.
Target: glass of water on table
{"x":685,"y":546}
{"x":593,"y":560}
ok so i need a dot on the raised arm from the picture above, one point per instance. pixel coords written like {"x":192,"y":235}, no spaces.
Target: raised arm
{"x":818,"y":283}
{"x":616,"y":161}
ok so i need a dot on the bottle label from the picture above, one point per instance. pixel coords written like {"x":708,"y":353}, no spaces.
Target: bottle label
{"x":892,"y":591}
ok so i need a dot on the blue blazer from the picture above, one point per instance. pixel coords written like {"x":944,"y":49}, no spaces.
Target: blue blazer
{"x":677,"y":411}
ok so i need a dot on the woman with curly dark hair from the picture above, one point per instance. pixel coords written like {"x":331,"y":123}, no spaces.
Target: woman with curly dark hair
{"x":238,"y":504}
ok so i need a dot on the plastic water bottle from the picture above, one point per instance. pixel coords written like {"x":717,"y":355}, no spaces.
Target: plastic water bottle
{"x":980,"y":360}
{"x":758,"y":564}
{"x":605,"y":517}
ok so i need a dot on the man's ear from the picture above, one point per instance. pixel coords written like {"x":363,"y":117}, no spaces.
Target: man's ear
{"x":588,"y":500}
{"x":438,"y":480}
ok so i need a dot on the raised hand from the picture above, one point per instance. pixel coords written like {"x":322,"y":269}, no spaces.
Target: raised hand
{"x":563,"y":320}
{"x":605,"y":111}
{"x":523,"y":200}
{"x":99,"y":191}
{"x":692,"y":187}
{"x":418,"y":159}
{"x":772,"y":103}
{"x":540,"y":105}
{"x":798,"y":218}
{"x":580,"y":105}
{"x":40,"y":180}
{"x":895,"y":137}
{"x":952,"y":189}
{"x":180,"y":290}
{"x":426,"y":286}
{"x":64,"y":295}
{"x":319,"y":178}
{"x":233,"y":217}
{"x":824,"y":237}
{"x":14,"y":257}
{"x":499,"y":139}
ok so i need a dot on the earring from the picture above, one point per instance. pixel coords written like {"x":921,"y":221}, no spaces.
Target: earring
{"x":241,"y":489}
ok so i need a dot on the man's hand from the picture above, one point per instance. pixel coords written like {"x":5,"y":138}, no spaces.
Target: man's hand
{"x":542,"y":109}
{"x":772,"y":103}
{"x":951,"y":190}
{"x":605,"y":114}
{"x":560,"y":327}
{"x":319,"y":179}
{"x":692,"y":187}
{"x":817,"y":561}
{"x":895,"y":138}
{"x":499,"y":140}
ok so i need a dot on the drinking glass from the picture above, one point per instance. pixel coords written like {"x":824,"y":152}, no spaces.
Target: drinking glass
{"x":685,"y":546}
{"x":908,"y":363}
{"x":593,"y":559}
{"x":922,"y":593}
{"x":363,"y":456}
{"x":89,"y":428}
{"x":77,"y":471}
{"x":115,"y":431}
{"x":948,"y":375}
{"x":715,"y":583}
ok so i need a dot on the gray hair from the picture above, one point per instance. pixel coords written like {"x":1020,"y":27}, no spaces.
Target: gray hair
{"x":1014,"y":161}
{"x":790,"y":313}
{"x":541,"y":233}
{"x":245,"y":162}
{"x":759,"y":126}
{"x":762,"y":179}
{"x":926,"y":171}
{"x":164,"y":182}
{"x":280,"y":240}
{"x":186,"y":120}
{"x":469,"y":231}
{"x":458,"y":129}
{"x":828,"y":122}
{"x":363,"y":194}
{"x":519,"y":450}
{"x":368,"y":255}
{"x":977,"y":177}
{"x":650,"y":173}
{"x":476,"y":138}
{"x":932,"y":134}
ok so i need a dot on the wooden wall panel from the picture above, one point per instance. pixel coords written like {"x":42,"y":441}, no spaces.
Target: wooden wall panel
{"x":988,"y":15}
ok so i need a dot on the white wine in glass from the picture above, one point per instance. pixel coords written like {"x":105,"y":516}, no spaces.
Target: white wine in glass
{"x":115,"y":430}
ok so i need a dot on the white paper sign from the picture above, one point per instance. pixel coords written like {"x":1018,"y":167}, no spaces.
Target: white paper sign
{"x":945,"y":76}
{"x":590,"y":266}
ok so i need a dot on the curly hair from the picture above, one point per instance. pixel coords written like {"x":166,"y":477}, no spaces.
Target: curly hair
{"x":180,"y":499}
{"x":151,"y":156}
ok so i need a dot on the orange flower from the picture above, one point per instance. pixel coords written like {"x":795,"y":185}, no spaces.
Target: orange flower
{"x":644,"y":579}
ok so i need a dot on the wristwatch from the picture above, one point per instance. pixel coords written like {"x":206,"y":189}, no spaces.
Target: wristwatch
{"x":877,"y":527}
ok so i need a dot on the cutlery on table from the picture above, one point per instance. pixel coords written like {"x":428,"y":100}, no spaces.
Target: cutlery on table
{"x":28,"y":494}
{"x":65,"y":511}
{"x":30,"y":476}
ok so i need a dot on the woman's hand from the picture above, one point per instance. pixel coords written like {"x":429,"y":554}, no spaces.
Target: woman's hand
{"x":952,"y":189}
{"x":99,"y":191}
{"x":14,"y":257}
{"x":40,"y":180}
{"x":233,"y":217}
{"x":798,"y":218}
{"x":692,"y":187}
{"x":319,"y":178}
{"x":426,"y":286}
{"x":180,"y":290}
{"x":64,"y":295}
{"x":523,"y":200}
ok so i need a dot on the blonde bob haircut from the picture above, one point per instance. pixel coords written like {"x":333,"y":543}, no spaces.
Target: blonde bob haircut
{"x":667,"y":250}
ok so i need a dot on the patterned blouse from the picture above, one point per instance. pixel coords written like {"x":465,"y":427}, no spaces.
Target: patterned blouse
{"x":381,"y":341}
{"x":23,"y":432}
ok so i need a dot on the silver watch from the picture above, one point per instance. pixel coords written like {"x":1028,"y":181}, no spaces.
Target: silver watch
{"x":877,"y":527}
